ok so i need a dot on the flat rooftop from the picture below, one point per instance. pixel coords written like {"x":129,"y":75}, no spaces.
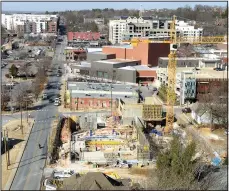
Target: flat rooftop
{"x":153,"y":100}
{"x":191,"y":58}
{"x":127,"y":68}
{"x":139,"y":68}
{"x":94,"y":50}
{"x":101,"y":53}
{"x":102,"y":95}
{"x":142,"y":67}
{"x":121,"y":46}
{"x":82,"y":64}
{"x":116,"y":61}
{"x":202,"y":73}
{"x":210,"y":73}
{"x":97,"y":52}
{"x":102,"y":90}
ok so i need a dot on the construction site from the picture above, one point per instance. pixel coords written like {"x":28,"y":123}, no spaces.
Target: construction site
{"x":114,"y":145}
{"x":134,"y":128}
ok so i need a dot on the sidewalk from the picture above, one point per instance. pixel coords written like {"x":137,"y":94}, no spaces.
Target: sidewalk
{"x":16,"y":154}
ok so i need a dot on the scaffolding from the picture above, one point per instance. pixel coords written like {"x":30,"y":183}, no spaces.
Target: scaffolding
{"x":152,"y":112}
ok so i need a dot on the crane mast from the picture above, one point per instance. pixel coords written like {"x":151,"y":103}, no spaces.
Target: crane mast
{"x":171,"y":95}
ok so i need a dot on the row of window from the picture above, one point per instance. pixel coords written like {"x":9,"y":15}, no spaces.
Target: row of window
{"x":91,"y":103}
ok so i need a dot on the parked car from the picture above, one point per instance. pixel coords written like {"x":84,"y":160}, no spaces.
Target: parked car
{"x":219,"y":69}
{"x":56,"y":103}
{"x":57,"y":99}
{"x":186,"y":110}
{"x":63,"y":174}
{"x":44,"y":96}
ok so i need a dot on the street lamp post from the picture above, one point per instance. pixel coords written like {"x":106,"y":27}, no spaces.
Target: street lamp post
{"x":11,"y":108}
{"x":21,"y":120}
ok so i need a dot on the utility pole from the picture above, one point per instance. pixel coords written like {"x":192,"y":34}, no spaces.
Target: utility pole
{"x":21,"y":120}
{"x":11,"y":95}
{"x":27,"y":111}
{"x":8,"y":148}
{"x":4,"y":135}
{"x":71,"y":100}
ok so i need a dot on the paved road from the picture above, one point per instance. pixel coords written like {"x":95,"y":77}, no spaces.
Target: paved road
{"x":30,"y":170}
{"x":8,"y":118}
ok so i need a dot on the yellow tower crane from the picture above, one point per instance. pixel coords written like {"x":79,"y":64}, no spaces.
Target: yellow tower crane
{"x":174,"y":42}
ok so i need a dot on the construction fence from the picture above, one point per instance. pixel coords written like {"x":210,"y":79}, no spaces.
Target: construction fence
{"x":55,"y":143}
{"x":143,"y":149}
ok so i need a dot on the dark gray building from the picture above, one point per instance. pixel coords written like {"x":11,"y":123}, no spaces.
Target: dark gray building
{"x":127,"y":74}
{"x":30,"y":27}
{"x":105,"y":68}
{"x":190,"y":62}
{"x":95,"y":56}
{"x":121,"y":70}
{"x":181,"y":62}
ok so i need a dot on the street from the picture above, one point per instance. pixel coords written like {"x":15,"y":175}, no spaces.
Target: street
{"x":29,"y":172}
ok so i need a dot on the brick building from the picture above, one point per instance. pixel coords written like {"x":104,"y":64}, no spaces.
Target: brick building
{"x":79,"y":103}
{"x":30,"y":27}
{"x":209,"y":85}
{"x":82,"y":95}
{"x":72,"y":53}
{"x":147,"y":53}
{"x":52,"y":26}
{"x":86,"y":36}
{"x":20,"y":30}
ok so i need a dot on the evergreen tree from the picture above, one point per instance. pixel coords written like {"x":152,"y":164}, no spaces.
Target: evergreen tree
{"x":13,"y":70}
{"x":175,"y":167}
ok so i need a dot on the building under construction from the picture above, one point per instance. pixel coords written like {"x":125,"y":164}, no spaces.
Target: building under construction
{"x":152,"y":112}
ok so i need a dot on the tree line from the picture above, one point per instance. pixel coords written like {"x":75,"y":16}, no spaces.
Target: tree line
{"x":206,"y":17}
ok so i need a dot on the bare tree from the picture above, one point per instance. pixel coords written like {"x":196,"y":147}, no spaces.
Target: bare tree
{"x":39,"y":81}
{"x":215,"y":101}
{"x":46,"y":63}
{"x":20,"y":96}
{"x":5,"y":97}
{"x":25,"y":69}
{"x":36,"y":89}
{"x":23,"y":55}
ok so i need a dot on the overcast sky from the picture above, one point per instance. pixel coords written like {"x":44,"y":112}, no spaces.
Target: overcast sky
{"x":62,"y":6}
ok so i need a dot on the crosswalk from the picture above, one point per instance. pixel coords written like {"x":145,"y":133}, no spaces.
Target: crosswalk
{"x":42,"y":110}
{"x":5,"y":120}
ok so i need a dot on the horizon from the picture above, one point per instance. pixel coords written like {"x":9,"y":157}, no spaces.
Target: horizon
{"x":66,"y":6}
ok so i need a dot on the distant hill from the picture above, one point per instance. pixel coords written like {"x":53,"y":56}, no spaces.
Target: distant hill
{"x":23,"y":12}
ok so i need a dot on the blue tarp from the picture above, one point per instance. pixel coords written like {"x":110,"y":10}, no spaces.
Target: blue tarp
{"x":216,"y":161}
{"x":156,"y":132}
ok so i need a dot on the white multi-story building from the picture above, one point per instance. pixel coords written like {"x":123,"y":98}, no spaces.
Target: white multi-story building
{"x":12,"y":21}
{"x":126,"y":28}
{"x":187,"y":30}
{"x":161,"y":28}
